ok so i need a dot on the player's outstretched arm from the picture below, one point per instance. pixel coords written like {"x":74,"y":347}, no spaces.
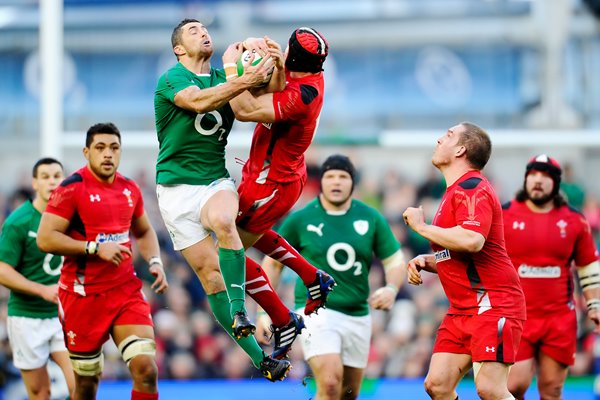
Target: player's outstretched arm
{"x":198,"y":100}
{"x":277,"y":81}
{"x":149,"y":248}
{"x":14,"y":281}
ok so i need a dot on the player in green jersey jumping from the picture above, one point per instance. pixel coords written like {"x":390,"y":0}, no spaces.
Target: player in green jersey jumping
{"x":341,"y":235}
{"x":34,"y":330}
{"x":195,"y":193}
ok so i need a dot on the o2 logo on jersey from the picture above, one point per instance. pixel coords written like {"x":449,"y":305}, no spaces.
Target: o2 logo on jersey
{"x":208,"y":124}
{"x":48,"y":268}
{"x":350,"y":258}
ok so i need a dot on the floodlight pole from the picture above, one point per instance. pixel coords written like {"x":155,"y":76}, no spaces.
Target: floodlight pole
{"x":51,"y":74}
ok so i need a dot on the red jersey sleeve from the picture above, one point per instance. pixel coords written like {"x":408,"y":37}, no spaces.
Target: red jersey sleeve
{"x":288,"y":104}
{"x":138,"y":211}
{"x":473,"y":210}
{"x":63,"y":201}
{"x":585,"y":248}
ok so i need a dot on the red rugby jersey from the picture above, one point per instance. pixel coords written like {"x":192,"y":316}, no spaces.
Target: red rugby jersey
{"x":482,"y":282}
{"x":542,"y":248}
{"x":277,"y":152}
{"x":98,"y":211}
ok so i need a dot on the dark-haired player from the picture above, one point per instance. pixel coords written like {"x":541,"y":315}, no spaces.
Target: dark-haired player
{"x":544,"y":239}
{"x":33,"y":327}
{"x":89,"y":220}
{"x":275,"y":174}
{"x":342,"y":235}
{"x":195,"y":193}
{"x":484,"y":323}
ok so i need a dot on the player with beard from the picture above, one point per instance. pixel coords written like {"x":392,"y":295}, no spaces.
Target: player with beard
{"x":341,"y":234}
{"x":544,"y":239}
{"x":487,"y":307}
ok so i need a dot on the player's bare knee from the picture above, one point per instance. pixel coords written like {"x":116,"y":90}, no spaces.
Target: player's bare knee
{"x":224,"y":226}
{"x":39,"y":392}
{"x":144,"y":371}
{"x":436,"y":387}
{"x":488,"y":390}
{"x":551,"y":390}
{"x":87,"y":386}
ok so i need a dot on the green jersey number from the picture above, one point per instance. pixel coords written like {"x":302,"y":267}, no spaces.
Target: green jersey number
{"x":213,"y":118}
{"x":350,"y":254}
{"x":48,"y":268}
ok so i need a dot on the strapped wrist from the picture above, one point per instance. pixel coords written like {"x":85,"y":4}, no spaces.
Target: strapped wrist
{"x":391,"y":287}
{"x":91,"y":247}
{"x":155,"y":260}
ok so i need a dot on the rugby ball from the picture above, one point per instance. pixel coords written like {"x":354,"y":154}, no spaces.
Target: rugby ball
{"x":246,"y":59}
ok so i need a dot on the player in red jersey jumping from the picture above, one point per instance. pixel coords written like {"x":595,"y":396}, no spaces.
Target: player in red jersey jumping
{"x":274,"y":176}
{"x":487,"y":307}
{"x":544,"y":238}
{"x":88,"y":220}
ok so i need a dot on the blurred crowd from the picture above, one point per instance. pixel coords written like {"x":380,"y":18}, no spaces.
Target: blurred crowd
{"x":192,"y":346}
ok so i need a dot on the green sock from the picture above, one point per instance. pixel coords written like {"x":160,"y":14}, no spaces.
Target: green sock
{"x":220,"y":308}
{"x":233,"y":268}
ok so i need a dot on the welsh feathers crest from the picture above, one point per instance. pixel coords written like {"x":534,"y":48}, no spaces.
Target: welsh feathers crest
{"x":361,"y":227}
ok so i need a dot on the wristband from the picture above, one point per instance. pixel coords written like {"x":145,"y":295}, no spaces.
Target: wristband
{"x":91,"y":247}
{"x":593,"y":304}
{"x":392,"y":288}
{"x":229,"y":65}
{"x":155,"y":260}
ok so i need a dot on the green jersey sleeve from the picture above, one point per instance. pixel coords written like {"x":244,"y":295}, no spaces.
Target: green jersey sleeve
{"x":173,"y":81}
{"x":385,"y":243}
{"x":12,"y":242}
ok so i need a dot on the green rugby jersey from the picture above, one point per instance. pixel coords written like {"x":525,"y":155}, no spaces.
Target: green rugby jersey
{"x":343,"y":245}
{"x":19,"y":249}
{"x":191,"y":145}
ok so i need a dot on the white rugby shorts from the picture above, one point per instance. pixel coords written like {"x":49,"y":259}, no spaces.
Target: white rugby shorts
{"x":333,"y":332}
{"x":180,"y":207}
{"x":32,"y":340}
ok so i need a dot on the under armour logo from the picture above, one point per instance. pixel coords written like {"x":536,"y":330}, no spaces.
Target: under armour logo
{"x":71,"y":336}
{"x":490,"y":349}
{"x":94,"y":197}
{"x":317,"y":229}
{"x":519,"y":225}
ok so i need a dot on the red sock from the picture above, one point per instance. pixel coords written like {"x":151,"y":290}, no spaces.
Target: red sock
{"x":135,"y":395}
{"x":278,"y":248}
{"x":260,"y":289}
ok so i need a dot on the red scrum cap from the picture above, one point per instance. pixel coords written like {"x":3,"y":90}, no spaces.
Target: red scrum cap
{"x":307,"y":51}
{"x":548,"y":165}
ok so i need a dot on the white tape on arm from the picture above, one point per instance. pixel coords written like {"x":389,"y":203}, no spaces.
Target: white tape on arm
{"x":589,"y":276}
{"x":395,"y":260}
